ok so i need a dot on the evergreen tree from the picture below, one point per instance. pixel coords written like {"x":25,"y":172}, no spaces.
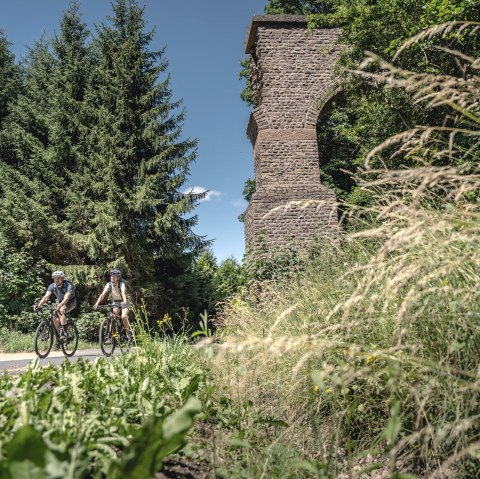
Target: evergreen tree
{"x":10,"y":81}
{"x":69,"y":128}
{"x":26,"y":195}
{"x":46,"y":143}
{"x":138,"y":160}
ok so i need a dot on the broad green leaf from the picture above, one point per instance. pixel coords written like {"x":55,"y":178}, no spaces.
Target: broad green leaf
{"x":27,"y":444}
{"x":26,"y":470}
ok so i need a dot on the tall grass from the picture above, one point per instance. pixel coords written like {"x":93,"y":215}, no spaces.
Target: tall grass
{"x":372,"y":358}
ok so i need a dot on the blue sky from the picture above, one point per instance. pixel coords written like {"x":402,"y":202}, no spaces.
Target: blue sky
{"x":204,"y":41}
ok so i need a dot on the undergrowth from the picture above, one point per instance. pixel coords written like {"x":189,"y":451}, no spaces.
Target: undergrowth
{"x":368,"y":360}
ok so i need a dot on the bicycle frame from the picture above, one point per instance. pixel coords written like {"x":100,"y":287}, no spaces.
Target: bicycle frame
{"x":53,"y":332}
{"x":112,"y":330}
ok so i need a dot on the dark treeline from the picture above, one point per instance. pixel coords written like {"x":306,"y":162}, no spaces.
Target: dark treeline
{"x":93,"y":165}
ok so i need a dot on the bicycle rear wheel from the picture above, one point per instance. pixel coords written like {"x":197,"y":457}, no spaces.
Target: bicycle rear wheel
{"x":124,"y":344}
{"x":70,"y":345}
{"x":107,"y":336}
{"x":43,"y":339}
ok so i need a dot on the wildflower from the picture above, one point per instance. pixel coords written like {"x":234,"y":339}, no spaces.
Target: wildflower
{"x":166,"y":318}
{"x":328,"y":390}
{"x":315,"y":389}
{"x":369,"y":360}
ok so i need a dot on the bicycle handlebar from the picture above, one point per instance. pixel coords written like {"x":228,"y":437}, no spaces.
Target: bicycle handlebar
{"x":108,"y":306}
{"x":47,"y":307}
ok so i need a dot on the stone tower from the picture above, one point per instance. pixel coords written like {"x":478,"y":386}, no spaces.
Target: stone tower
{"x":292,"y":85}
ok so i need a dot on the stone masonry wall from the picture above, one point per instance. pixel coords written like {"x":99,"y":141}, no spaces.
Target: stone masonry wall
{"x":291,"y":79}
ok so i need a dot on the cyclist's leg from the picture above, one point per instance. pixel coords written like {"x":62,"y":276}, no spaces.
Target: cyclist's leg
{"x":56,"y":320}
{"x":66,"y":308}
{"x":126,"y":324}
{"x":56,"y":324}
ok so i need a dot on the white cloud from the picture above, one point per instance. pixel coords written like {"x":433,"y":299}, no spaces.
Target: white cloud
{"x":200,"y":189}
{"x":240,"y":203}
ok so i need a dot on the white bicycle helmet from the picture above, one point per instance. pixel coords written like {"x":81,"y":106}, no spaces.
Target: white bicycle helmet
{"x":58,"y":274}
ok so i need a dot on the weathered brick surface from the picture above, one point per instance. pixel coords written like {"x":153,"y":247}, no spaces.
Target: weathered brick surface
{"x":291,"y":79}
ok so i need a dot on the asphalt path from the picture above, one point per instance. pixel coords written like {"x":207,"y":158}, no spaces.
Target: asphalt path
{"x":20,"y":361}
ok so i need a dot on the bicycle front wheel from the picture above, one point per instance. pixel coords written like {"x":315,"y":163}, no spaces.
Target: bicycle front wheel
{"x":70,"y":345}
{"x":107,"y":336}
{"x":43,"y":339}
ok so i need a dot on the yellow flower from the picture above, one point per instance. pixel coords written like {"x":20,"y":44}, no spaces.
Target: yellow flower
{"x":166,"y":318}
{"x":315,"y":388}
{"x":328,"y":390}
{"x":369,"y":360}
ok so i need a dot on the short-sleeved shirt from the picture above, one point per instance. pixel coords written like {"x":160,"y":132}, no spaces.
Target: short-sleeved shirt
{"x":115,"y":291}
{"x":61,"y":291}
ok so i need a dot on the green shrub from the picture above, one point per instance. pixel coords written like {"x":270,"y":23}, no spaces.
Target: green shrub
{"x":12,"y":341}
{"x":88,"y":325}
{"x":20,"y":281}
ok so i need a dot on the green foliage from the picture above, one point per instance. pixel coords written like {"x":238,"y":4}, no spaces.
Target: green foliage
{"x":91,"y":159}
{"x":214,"y":282}
{"x":248,"y":190}
{"x":140,"y":215}
{"x":267,"y":266}
{"x":299,"y":7}
{"x":12,"y":341}
{"x":20,"y":281}
{"x":369,"y":113}
{"x":9,"y":77}
{"x":88,"y":325}
{"x":247,"y":94}
{"x":118,"y":418}
{"x":155,"y":440}
{"x":374,"y":347}
{"x":229,"y":278}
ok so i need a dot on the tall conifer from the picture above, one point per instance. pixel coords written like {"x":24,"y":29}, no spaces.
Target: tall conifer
{"x":27,"y":190}
{"x":69,"y":128}
{"x":10,"y":81}
{"x":139,"y":161}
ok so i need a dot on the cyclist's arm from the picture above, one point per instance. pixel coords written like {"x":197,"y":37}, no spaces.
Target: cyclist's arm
{"x":123,"y":291}
{"x":43,"y":300}
{"x":101,"y":297}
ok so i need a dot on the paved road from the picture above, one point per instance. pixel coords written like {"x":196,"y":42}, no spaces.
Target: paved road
{"x":19,"y":361}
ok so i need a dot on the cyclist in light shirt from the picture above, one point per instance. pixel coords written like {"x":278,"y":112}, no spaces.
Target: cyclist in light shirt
{"x":117,"y":288}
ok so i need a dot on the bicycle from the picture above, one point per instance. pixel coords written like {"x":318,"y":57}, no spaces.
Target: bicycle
{"x":46,"y":331}
{"x":112,"y":332}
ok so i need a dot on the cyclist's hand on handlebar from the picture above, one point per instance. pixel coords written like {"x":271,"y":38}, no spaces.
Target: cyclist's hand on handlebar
{"x":35,"y":308}
{"x":95,"y":306}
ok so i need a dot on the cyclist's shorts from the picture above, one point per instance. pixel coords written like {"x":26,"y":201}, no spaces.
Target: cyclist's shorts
{"x":118,"y":304}
{"x":70,"y":305}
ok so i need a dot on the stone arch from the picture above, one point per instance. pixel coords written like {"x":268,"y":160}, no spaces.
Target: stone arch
{"x":292,"y":75}
{"x":322,"y":106}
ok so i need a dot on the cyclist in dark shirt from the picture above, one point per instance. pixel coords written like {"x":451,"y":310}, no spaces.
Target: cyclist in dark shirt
{"x":65,"y":294}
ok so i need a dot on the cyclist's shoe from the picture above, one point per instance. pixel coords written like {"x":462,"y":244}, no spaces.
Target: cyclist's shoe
{"x":57,"y":346}
{"x":128,"y":337}
{"x":63,"y":336}
{"x":108,"y":340}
